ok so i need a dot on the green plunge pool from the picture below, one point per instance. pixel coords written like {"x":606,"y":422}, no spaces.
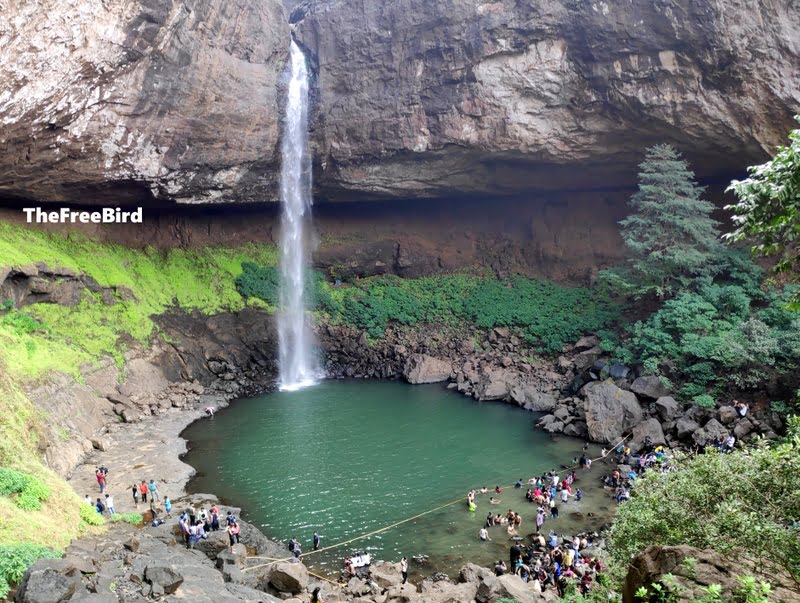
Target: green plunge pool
{"x":346,"y":458}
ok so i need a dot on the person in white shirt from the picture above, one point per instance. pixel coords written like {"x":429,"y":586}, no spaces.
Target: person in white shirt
{"x":484,"y":534}
{"x":110,"y":504}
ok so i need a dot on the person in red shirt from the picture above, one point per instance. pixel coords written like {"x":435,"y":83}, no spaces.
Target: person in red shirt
{"x":101,"y":480}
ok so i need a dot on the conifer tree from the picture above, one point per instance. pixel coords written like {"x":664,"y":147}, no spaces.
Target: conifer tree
{"x":670,"y":234}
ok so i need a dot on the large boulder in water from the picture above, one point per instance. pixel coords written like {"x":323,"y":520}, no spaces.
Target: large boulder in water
{"x":610,"y":412}
{"x":385,"y":574}
{"x":530,"y":398}
{"x":289,"y":577}
{"x":421,"y":368}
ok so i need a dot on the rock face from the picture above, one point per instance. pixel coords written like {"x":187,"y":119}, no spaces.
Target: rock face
{"x":129,"y":101}
{"x":421,"y":368}
{"x":138,"y":100}
{"x":420,"y":99}
{"x":610,"y":411}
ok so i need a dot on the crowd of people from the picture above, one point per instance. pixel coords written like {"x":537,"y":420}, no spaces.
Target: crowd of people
{"x":104,"y":504}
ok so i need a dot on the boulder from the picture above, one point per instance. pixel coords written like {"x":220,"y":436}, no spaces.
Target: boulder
{"x":46,"y":583}
{"x":727,"y":415}
{"x":667,"y":408}
{"x":164,"y":578}
{"x":651,"y":428}
{"x":530,"y":398}
{"x":385,"y":574}
{"x":649,"y":386}
{"x":743,"y":428}
{"x":685,"y":427}
{"x":709,"y":431}
{"x":576,"y":430}
{"x":496,"y":384}
{"x":289,"y":577}
{"x":585,"y":359}
{"x":618,"y":371}
{"x":610,"y":412}
{"x":421,"y":368}
{"x":472,"y":573}
{"x":509,"y":586}
{"x":100,"y":443}
{"x":586,"y":343}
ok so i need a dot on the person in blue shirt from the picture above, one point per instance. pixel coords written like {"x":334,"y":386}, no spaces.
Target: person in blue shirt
{"x":167,"y":505}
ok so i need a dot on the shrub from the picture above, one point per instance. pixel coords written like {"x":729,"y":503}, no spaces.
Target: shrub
{"x":30,"y":490}
{"x":11,"y":481}
{"x":262,"y":282}
{"x":15,"y":559}
{"x":131,"y":518}
{"x":704,"y":401}
{"x":90,"y":516}
{"x":744,"y":503}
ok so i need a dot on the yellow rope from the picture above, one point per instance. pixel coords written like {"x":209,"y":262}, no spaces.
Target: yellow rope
{"x":394,"y":525}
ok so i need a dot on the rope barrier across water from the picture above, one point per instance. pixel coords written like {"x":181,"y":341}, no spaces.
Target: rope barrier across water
{"x":272,"y":560}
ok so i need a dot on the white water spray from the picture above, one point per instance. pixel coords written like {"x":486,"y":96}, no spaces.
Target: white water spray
{"x":296,"y":353}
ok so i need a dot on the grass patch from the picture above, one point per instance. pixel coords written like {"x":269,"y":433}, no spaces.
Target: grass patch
{"x":134,"y":519}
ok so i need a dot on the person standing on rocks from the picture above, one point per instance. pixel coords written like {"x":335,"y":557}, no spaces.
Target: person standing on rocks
{"x":168,"y":506}
{"x":143,"y":491}
{"x":153,"y":490}
{"x":101,"y":480}
{"x":233,"y":533}
{"x":99,"y":506}
{"x":135,"y":494}
{"x":110,"y":504}
{"x":404,"y":569}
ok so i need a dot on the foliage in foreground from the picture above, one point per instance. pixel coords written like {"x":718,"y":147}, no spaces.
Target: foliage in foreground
{"x":547,"y":313}
{"x":768,"y":208}
{"x":743,"y":505}
{"x":15,"y":559}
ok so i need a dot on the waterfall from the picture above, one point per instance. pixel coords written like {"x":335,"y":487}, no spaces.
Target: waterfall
{"x":296,"y":353}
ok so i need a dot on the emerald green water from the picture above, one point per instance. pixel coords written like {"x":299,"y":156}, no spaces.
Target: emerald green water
{"x":345,"y":458}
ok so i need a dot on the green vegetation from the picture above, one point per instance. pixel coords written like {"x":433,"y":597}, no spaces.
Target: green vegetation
{"x":721,"y":331}
{"x":90,"y":515}
{"x":670,"y":234}
{"x":15,"y":559}
{"x":548,"y":314}
{"x":134,"y":519}
{"x":743,"y":505}
{"x":768,"y":208}
{"x":30,"y":491}
{"x":53,"y":337}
